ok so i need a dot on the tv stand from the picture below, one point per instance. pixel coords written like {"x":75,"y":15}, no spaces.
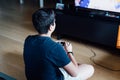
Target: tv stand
{"x":85,"y":25}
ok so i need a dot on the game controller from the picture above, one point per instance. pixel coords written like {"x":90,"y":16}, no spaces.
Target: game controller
{"x":62,"y":43}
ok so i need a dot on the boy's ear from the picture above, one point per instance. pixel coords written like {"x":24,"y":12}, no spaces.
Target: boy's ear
{"x":51,"y":27}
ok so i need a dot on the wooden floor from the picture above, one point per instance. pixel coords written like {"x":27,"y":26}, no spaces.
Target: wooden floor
{"x":15,"y":25}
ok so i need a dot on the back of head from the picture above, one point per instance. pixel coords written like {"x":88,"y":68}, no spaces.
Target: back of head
{"x":42,"y":19}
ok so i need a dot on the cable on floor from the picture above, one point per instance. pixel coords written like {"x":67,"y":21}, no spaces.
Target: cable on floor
{"x":106,"y":67}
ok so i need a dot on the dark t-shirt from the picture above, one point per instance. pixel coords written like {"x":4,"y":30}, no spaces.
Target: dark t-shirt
{"x":43,"y":57}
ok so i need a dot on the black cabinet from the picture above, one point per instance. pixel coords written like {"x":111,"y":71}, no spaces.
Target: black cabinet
{"x":93,"y":28}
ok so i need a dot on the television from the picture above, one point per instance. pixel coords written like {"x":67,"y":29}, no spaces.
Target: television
{"x":104,"y":5}
{"x":104,"y":8}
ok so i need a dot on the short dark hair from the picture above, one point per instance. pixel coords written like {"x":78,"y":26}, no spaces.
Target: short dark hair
{"x":42,"y":19}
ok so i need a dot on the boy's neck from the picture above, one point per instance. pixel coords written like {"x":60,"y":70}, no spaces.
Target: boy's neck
{"x":46,"y":35}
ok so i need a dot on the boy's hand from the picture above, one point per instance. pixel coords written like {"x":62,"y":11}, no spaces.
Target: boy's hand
{"x":68,"y":47}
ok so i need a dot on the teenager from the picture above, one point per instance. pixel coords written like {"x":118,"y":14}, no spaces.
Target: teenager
{"x":46,"y":59}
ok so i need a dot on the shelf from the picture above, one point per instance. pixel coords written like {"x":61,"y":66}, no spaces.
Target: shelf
{"x":118,"y":39}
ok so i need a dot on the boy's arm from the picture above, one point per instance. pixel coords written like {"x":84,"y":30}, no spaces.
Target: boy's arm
{"x":72,"y":67}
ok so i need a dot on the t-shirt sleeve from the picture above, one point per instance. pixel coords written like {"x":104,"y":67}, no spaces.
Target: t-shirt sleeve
{"x":59,"y":57}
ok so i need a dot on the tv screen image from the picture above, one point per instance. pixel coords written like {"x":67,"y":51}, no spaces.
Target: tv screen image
{"x":106,"y":5}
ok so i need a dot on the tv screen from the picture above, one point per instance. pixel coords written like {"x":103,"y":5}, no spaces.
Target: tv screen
{"x":106,"y":5}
